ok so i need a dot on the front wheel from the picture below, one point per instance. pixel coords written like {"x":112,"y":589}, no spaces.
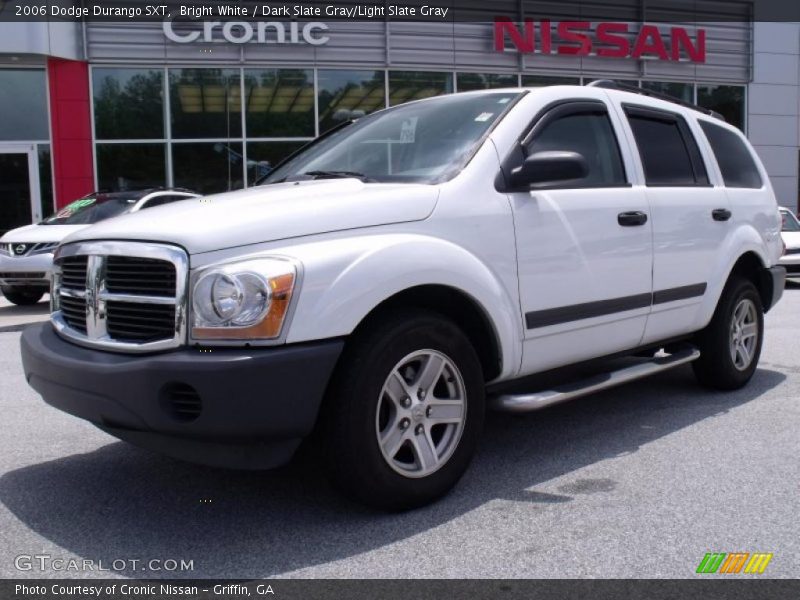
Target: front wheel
{"x":731,"y":344}
{"x":22,"y":297}
{"x":405,"y":411}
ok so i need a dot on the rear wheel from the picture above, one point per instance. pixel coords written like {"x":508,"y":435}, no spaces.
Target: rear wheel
{"x":731,"y":344}
{"x":405,"y":411}
{"x":22,"y":297}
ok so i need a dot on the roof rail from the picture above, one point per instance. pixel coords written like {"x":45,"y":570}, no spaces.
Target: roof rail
{"x":610,"y":84}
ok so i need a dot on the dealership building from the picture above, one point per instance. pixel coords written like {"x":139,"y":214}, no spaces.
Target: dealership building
{"x":210,"y":105}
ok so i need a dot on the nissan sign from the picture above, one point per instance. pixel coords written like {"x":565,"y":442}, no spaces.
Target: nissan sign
{"x":244,"y":32}
{"x":608,"y":39}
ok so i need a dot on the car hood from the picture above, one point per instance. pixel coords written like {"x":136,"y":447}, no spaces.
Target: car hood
{"x":269,"y":213}
{"x":791,"y":238}
{"x":40,"y":233}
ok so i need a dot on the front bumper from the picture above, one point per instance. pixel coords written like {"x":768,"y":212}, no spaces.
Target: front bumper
{"x":26,"y":271}
{"x":251,"y":407}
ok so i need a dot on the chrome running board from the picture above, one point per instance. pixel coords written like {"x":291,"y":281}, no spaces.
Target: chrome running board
{"x":520,"y":403}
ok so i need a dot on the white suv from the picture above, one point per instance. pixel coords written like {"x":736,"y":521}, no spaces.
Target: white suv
{"x":26,"y":253}
{"x":394,"y":277}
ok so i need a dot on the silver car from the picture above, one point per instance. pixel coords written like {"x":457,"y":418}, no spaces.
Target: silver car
{"x":26,"y":253}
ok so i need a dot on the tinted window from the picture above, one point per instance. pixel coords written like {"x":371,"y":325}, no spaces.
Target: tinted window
{"x":128,"y":103}
{"x":92,"y":209}
{"x":591,"y":136}
{"x":343,"y":95}
{"x":733,"y":157}
{"x":279,"y":102}
{"x":23,"y":104}
{"x":669,"y":153}
{"x":208,"y":167}
{"x":131,"y":166}
{"x":205,"y":103}
{"x":405,"y":86}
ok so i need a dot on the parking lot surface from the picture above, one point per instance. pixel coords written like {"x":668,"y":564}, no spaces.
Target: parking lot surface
{"x":639,"y":481}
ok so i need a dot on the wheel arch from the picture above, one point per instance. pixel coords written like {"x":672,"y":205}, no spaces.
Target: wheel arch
{"x":457,"y":305}
{"x":750,"y":266}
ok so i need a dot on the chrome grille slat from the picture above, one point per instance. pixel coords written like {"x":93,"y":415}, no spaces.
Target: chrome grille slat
{"x":123,"y":296}
{"x":136,"y":275}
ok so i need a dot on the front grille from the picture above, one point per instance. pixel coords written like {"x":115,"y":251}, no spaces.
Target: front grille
{"x":74,"y":312}
{"x":130,"y":275}
{"x":126,"y":296}
{"x":140,"y":323}
{"x":73,"y":272}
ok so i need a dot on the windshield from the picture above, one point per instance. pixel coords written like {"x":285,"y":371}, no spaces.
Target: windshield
{"x":789,"y":221}
{"x":421,"y":142}
{"x":92,"y":209}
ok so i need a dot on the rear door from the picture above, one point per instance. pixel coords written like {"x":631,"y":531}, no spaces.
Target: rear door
{"x":690,"y":217}
{"x":584,"y":248}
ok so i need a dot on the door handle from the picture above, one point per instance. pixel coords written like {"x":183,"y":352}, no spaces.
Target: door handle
{"x":632,"y":218}
{"x":721,"y":214}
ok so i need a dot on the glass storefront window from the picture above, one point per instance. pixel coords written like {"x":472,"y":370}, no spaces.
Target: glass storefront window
{"x":279,"y":102}
{"x":405,"y":86}
{"x":727,"y":100}
{"x":208,"y":168}
{"x":205,"y":103}
{"x":682,"y":91}
{"x":344,"y":95}
{"x":484,"y":81}
{"x":122,"y":167}
{"x":128,"y":103}
{"x":23,"y":105}
{"x":262,"y":157}
{"x":542,"y":80}
{"x":45,"y":180}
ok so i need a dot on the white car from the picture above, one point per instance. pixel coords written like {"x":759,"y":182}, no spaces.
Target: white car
{"x":396,"y":276}
{"x":790,"y":232}
{"x":26,"y":253}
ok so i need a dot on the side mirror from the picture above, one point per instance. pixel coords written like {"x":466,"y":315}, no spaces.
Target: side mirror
{"x":548,"y":168}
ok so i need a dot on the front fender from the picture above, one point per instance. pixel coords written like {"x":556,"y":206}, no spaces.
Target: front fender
{"x":345,"y":279}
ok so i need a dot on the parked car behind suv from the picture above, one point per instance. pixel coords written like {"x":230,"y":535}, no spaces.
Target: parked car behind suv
{"x":391,"y":279}
{"x":26,"y":253}
{"x":790,"y":232}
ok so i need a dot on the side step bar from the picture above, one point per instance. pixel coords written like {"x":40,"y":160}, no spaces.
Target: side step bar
{"x":520,"y":403}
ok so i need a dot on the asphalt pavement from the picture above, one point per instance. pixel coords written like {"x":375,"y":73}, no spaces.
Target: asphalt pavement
{"x":640,"y":481}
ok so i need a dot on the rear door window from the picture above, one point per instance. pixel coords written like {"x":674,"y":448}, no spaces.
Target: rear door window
{"x":668,"y":150}
{"x":734,"y":159}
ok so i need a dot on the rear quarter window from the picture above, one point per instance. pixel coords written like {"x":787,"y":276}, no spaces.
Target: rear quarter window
{"x":735,"y":161}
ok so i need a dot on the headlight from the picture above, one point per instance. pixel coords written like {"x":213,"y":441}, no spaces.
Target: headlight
{"x":243,"y":301}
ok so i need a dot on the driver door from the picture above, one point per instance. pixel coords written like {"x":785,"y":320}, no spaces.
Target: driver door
{"x":584,"y":247}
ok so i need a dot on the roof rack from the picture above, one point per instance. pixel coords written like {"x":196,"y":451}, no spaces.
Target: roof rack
{"x":610,"y":84}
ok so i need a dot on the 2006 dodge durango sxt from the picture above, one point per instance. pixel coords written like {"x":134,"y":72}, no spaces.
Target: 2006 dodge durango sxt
{"x":405,"y":270}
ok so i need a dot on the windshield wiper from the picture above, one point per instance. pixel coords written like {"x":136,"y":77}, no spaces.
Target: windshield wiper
{"x":339,"y":175}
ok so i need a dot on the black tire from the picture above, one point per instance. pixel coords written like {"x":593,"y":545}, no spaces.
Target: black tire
{"x":352,"y":420}
{"x":716,"y":368}
{"x":22,"y":298}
